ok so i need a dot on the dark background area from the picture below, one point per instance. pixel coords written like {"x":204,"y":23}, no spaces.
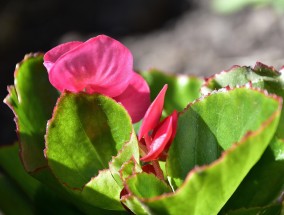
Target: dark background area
{"x":37,"y":25}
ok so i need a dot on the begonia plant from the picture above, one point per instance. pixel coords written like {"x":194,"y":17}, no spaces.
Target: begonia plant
{"x":97,"y":137}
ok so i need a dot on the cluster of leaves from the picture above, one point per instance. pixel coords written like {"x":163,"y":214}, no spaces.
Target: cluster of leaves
{"x":79,"y":157}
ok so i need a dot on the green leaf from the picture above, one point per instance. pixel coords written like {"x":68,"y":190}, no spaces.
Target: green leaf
{"x":12,"y":200}
{"x":207,"y":188}
{"x":103,"y":192}
{"x":213,"y":124}
{"x":135,"y":205}
{"x":11,"y":165}
{"x":24,"y":188}
{"x":264,"y":183}
{"x":223,"y":6}
{"x":267,"y":210}
{"x":181,"y":91}
{"x":130,"y":151}
{"x":129,"y":168}
{"x":32,"y":99}
{"x":261,"y":76}
{"x":83,"y":135}
{"x":140,"y":183}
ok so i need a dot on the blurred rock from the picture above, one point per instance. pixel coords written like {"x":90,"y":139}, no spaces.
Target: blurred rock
{"x":202,"y":43}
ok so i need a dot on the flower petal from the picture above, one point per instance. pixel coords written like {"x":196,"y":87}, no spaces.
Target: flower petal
{"x":153,"y":114}
{"x":100,"y":65}
{"x":52,"y":55}
{"x":136,"y":97}
{"x":174,"y":116}
{"x":160,"y":140}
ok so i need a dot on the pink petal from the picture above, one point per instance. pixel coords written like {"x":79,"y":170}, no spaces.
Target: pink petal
{"x":100,"y":65}
{"x":174,"y":117}
{"x":153,"y":114}
{"x":136,"y":97}
{"x":52,"y":55}
{"x":160,"y":140}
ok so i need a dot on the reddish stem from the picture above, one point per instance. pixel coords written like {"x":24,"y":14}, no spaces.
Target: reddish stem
{"x":158,"y":170}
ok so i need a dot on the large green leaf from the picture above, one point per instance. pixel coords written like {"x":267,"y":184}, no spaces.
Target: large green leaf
{"x":12,"y":200}
{"x":11,"y":165}
{"x":32,"y":99}
{"x":264,"y":183}
{"x":267,"y":210}
{"x":83,"y":135}
{"x":261,"y":76}
{"x":23,"y":188}
{"x":206,"y":189}
{"x":213,"y":124}
{"x":181,"y":91}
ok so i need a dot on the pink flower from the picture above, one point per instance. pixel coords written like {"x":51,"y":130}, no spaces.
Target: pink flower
{"x":157,"y":135}
{"x":99,"y":65}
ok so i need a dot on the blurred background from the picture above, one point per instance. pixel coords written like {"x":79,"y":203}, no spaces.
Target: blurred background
{"x":198,"y":37}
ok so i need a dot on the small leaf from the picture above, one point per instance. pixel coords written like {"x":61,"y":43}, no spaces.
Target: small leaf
{"x":135,"y":205}
{"x":128,"y":152}
{"x":182,"y":89}
{"x":140,"y":183}
{"x":129,"y":168}
{"x":32,"y":99}
{"x":103,"y":191}
{"x":83,"y":135}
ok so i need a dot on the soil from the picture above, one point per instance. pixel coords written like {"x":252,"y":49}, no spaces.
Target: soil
{"x":180,"y":37}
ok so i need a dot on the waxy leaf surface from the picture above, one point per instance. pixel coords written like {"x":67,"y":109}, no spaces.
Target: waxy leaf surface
{"x":146,"y":185}
{"x":203,"y":131}
{"x":265,"y":181}
{"x":32,"y":99}
{"x":83,"y":135}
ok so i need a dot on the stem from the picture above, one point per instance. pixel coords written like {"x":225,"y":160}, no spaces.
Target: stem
{"x":158,"y":170}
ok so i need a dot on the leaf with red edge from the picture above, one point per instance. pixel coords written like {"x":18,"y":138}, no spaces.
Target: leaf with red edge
{"x":83,"y":135}
{"x":129,"y":152}
{"x":139,"y":184}
{"x":32,"y":100}
{"x":250,"y":133}
{"x":129,"y":168}
{"x":261,"y":76}
{"x":264,"y":183}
